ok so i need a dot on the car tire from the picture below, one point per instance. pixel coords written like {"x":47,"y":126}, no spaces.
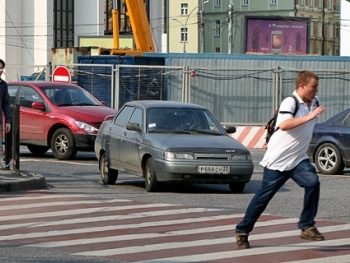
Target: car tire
{"x":37,"y":150}
{"x":151,"y":183}
{"x":108,"y":175}
{"x":63,"y":144}
{"x":329,"y":160}
{"x":236,"y":187}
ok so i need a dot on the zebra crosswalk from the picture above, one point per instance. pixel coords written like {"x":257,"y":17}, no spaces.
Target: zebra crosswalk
{"x":130,"y":231}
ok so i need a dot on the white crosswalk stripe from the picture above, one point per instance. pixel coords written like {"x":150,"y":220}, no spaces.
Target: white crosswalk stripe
{"x":126,"y":230}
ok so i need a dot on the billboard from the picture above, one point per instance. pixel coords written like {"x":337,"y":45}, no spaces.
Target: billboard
{"x":277,"y":36}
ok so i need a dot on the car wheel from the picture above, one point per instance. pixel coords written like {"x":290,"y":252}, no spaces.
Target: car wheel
{"x":236,"y":187}
{"x":108,"y":175}
{"x":63,"y":144}
{"x":328,"y":159}
{"x":37,"y":150}
{"x":151,"y":182}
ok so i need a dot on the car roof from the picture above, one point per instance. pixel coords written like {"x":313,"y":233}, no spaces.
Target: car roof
{"x":164,"y":104}
{"x":337,"y":116}
{"x":41,"y":83}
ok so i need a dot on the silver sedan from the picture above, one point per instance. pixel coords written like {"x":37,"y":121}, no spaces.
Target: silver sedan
{"x":171,"y":142}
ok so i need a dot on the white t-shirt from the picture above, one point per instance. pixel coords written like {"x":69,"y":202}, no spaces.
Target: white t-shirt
{"x":286,"y":149}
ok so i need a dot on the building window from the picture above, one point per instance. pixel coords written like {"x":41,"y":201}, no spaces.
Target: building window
{"x":63,"y":23}
{"x":337,"y":30}
{"x":319,"y":3}
{"x":273,"y":2}
{"x":311,"y":4}
{"x":217,"y":28}
{"x":330,"y":31}
{"x":184,"y":33}
{"x":184,"y":9}
{"x":217,"y":50}
{"x":301,"y":2}
{"x":311,"y":28}
{"x":329,"y":4}
{"x":245,"y":2}
{"x":217,"y":3}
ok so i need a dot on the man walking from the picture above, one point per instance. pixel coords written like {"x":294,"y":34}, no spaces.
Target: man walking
{"x":5,"y":108}
{"x":286,"y":158}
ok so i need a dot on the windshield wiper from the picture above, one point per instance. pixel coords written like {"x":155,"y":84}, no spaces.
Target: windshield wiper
{"x":85,"y":104}
{"x":169,"y":131}
{"x":206,"y":132}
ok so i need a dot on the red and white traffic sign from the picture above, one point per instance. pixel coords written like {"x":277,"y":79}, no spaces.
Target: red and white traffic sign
{"x":61,"y":74}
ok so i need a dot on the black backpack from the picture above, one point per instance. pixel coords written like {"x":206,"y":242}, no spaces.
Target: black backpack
{"x":270,"y":126}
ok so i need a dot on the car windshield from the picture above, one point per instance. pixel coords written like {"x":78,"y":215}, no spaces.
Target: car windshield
{"x":70,"y":96}
{"x":182,"y":121}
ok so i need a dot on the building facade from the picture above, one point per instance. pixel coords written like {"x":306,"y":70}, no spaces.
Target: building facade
{"x":220,"y":26}
{"x":30,"y":29}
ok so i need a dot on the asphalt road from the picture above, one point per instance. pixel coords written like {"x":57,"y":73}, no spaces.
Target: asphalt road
{"x":81,"y":176}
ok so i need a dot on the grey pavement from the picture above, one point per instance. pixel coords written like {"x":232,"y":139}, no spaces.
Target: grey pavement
{"x":11,"y":180}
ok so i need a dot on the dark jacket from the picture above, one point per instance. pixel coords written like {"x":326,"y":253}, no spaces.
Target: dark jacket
{"x":4,"y":102}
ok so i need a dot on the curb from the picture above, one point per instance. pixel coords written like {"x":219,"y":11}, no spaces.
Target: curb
{"x":11,"y":181}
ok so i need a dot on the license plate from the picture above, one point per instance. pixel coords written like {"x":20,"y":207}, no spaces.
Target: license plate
{"x":206,"y":169}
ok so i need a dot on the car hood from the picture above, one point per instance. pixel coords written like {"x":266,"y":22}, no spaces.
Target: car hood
{"x":87,"y":113}
{"x":165,"y":141}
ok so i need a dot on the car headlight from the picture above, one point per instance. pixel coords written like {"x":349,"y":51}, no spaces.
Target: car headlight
{"x":178,"y":155}
{"x":241,"y":157}
{"x":86,"y":127}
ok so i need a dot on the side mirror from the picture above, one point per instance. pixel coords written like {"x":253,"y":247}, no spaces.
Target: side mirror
{"x":38,"y":105}
{"x":109,"y":117}
{"x":133,"y":127}
{"x":229,"y":129}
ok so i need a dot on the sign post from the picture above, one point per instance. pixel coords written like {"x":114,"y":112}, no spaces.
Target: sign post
{"x":61,"y":74}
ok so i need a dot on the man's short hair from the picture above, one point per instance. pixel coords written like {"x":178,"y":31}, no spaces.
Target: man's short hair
{"x":2,"y":63}
{"x":304,"y":77}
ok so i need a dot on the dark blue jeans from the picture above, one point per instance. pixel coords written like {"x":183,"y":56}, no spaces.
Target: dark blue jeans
{"x":304,"y":174}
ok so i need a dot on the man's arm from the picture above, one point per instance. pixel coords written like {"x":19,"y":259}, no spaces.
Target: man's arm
{"x":296,"y":122}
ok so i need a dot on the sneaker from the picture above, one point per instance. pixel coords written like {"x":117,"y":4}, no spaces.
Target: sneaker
{"x":311,"y":233}
{"x":242,"y":240}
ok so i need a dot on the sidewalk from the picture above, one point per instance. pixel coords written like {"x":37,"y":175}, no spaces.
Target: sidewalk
{"x":11,"y":181}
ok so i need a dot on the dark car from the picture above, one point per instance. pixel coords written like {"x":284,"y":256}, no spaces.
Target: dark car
{"x":330,"y":145}
{"x":63,"y":117}
{"x":165,"y":141}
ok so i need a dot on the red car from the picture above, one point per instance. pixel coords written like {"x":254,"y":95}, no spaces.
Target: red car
{"x":60,"y":116}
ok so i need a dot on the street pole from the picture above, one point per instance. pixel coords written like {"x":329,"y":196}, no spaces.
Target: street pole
{"x":230,"y":34}
{"x":201,"y":29}
{"x":201,"y":24}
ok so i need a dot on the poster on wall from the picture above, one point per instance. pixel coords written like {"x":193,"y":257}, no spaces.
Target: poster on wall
{"x":277,"y":36}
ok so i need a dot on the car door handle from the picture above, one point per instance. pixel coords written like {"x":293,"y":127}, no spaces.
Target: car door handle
{"x":124,"y":133}
{"x":109,"y":129}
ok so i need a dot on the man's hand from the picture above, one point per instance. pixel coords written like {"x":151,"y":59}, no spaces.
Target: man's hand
{"x":319,"y":110}
{"x":7,"y":127}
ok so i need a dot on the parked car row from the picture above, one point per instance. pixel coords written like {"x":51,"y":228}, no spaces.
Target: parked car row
{"x":161,"y":141}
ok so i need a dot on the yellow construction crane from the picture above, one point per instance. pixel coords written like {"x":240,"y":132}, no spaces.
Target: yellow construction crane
{"x":136,"y":11}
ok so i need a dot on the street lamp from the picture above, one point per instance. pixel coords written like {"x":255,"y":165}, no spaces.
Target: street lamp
{"x":202,"y":26}
{"x":184,"y":29}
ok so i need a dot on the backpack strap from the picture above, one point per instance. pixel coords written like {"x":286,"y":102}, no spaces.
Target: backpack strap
{"x":297,"y":105}
{"x":317,"y":103}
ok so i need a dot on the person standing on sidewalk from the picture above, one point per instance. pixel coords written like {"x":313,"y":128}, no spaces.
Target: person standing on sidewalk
{"x":5,"y":108}
{"x":286,"y":158}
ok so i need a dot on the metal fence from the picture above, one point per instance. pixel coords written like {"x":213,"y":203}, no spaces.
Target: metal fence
{"x":239,"y":96}
{"x":244,"y":96}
